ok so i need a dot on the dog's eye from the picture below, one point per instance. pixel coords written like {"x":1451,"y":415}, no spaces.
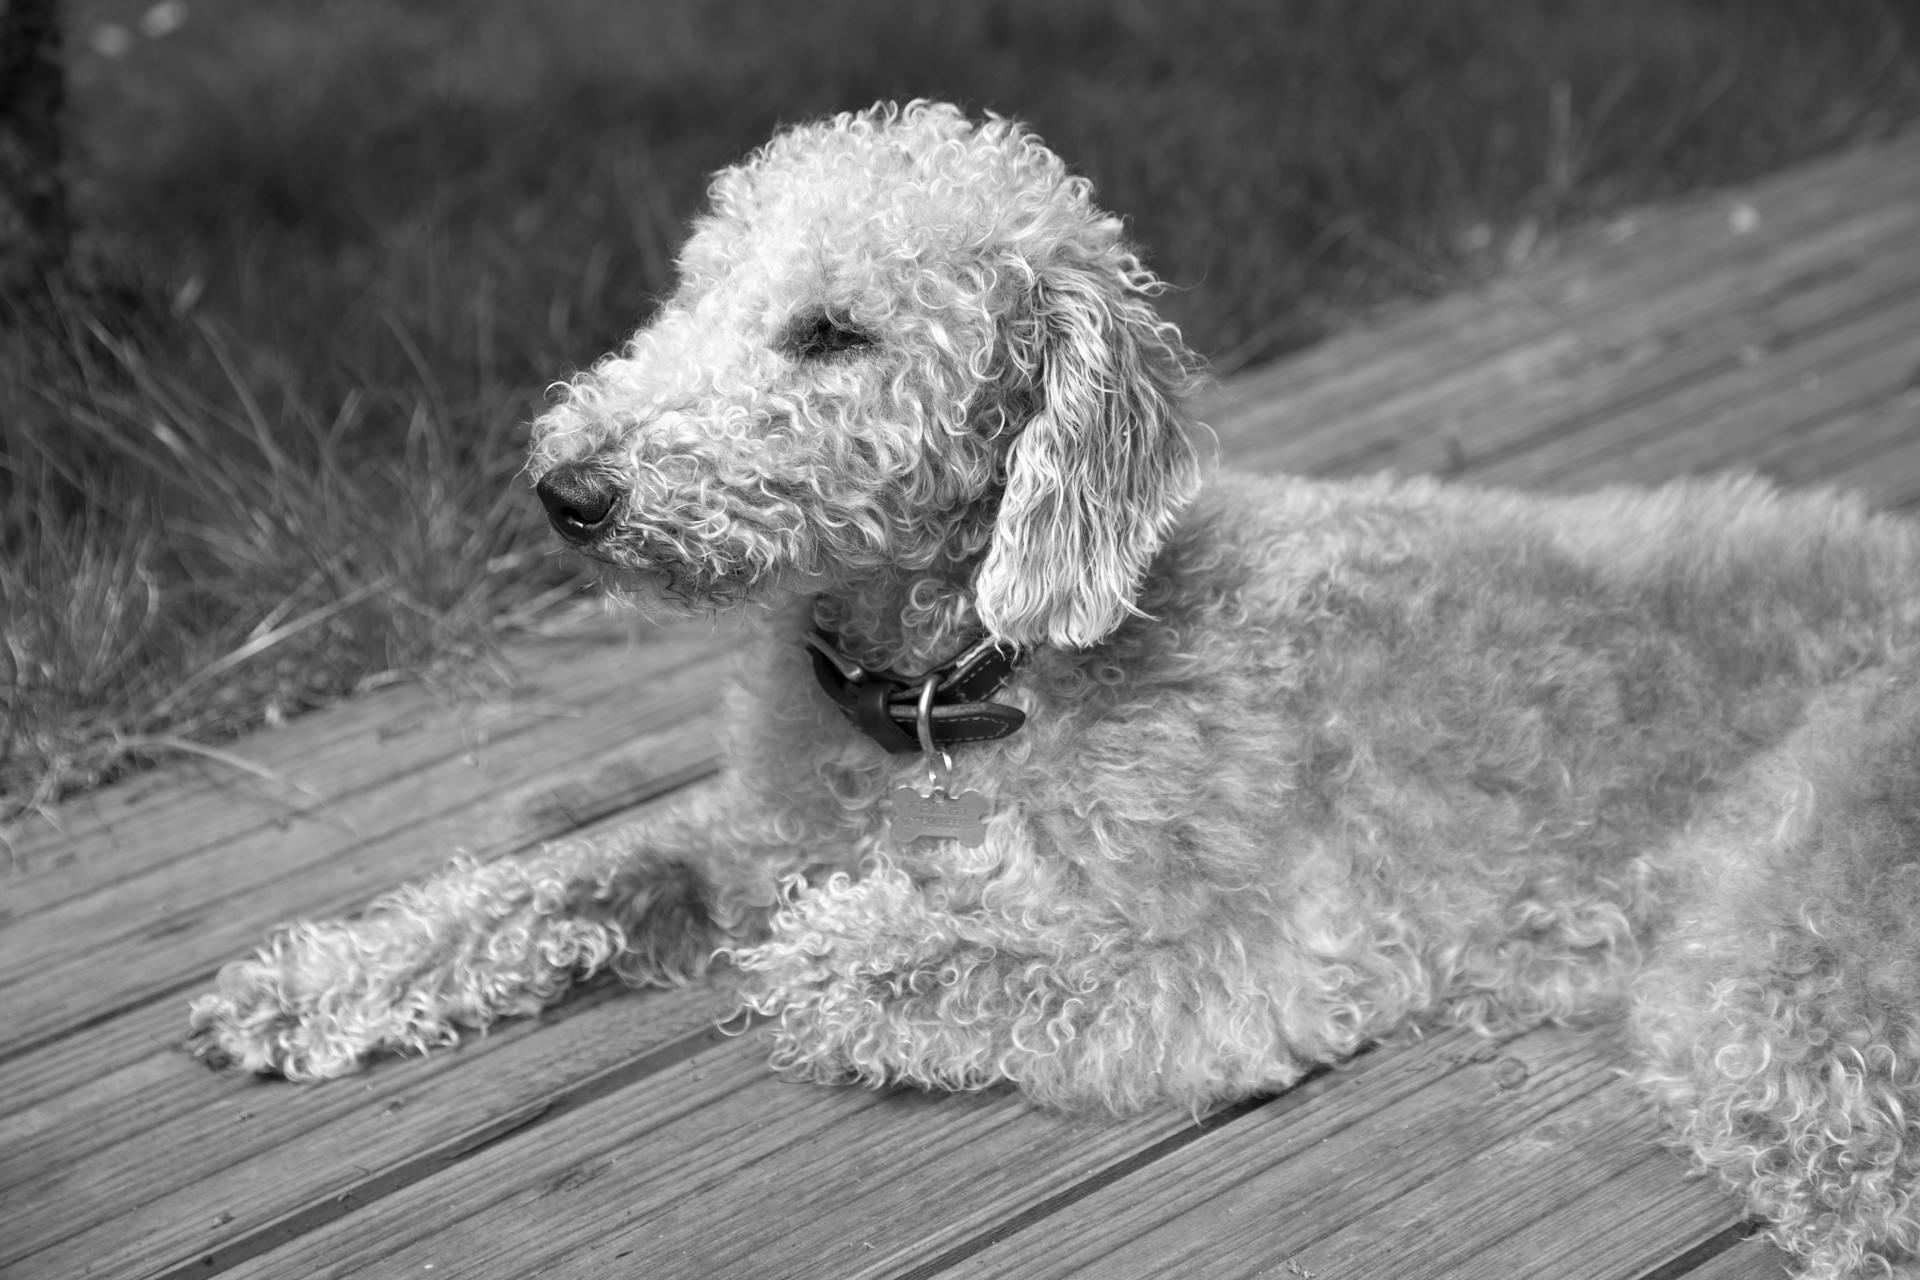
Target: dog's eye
{"x":818,"y":336}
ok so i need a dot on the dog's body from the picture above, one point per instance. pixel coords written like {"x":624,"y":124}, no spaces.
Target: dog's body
{"x":1304,"y":764}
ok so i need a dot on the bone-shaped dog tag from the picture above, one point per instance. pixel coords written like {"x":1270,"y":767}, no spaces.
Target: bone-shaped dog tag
{"x":935,"y":815}
{"x":933,"y":812}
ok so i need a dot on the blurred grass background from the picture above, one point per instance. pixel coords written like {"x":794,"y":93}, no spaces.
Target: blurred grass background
{"x":336,"y":250}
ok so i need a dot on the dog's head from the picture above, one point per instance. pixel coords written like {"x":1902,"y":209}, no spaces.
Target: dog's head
{"x":902,"y":341}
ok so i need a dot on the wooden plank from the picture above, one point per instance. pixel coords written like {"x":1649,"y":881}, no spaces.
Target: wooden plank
{"x":718,"y":1170}
{"x":1362,"y":1180}
{"x":1573,"y":379}
{"x":149,"y":934}
{"x":1588,"y":1193}
{"x":1823,"y":449}
{"x":506,"y":793}
{"x":862,"y":1184}
{"x":82,"y":1143}
{"x":176,"y":808}
{"x":112,"y":1067}
{"x":1555,"y":352}
{"x":1601,"y":279}
{"x":1890,"y":476}
{"x":157,"y":818}
{"x":1684,"y":280}
{"x":1719,"y":419}
{"x":1747,"y":1260}
{"x":1696,"y":396}
{"x":78,"y":1145}
{"x":255,"y":1163}
{"x":58,"y":1105}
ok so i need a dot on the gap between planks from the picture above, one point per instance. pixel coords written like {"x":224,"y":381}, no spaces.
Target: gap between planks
{"x":84,"y":961}
{"x":968,"y":1175}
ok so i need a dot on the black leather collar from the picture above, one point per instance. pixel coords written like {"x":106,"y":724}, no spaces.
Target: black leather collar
{"x":888,"y":707}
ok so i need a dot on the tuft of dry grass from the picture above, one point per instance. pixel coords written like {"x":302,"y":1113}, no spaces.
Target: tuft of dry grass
{"x":182,"y":566}
{"x":337,"y":250}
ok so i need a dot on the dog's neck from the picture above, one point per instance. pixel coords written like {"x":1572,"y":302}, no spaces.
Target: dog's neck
{"x":907,"y":622}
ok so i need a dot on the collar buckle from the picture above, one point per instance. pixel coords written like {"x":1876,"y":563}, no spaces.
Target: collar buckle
{"x":947,"y":706}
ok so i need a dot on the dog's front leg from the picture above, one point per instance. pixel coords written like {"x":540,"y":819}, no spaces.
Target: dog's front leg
{"x":484,"y":940}
{"x":881,"y":980}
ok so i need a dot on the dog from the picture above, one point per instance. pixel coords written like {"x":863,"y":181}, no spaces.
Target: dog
{"x":1060,"y":757}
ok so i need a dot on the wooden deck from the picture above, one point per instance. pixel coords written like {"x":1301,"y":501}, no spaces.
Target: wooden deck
{"x":620,"y":1135}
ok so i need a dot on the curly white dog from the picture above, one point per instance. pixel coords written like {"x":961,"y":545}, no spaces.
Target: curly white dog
{"x":1053,"y":765}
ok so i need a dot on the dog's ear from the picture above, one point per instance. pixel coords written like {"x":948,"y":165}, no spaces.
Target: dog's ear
{"x":1098,"y":473}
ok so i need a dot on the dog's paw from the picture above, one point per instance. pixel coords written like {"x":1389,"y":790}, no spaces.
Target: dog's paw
{"x":248,"y":1024}
{"x":219,"y":1046}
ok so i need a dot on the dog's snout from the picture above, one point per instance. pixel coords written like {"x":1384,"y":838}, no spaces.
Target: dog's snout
{"x":579,"y":499}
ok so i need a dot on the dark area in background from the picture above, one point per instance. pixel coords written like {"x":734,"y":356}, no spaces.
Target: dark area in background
{"x":1285,"y":161}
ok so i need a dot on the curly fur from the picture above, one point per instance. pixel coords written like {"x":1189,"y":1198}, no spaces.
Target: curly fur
{"x":1307,"y":763}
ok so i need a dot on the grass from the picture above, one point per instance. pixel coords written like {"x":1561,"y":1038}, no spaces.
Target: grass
{"x":336,"y":251}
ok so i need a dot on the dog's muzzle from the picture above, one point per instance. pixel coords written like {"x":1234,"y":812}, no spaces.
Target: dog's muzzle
{"x":580,"y":499}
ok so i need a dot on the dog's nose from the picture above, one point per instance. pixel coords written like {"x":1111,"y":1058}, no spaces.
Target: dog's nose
{"x":579,"y":498}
